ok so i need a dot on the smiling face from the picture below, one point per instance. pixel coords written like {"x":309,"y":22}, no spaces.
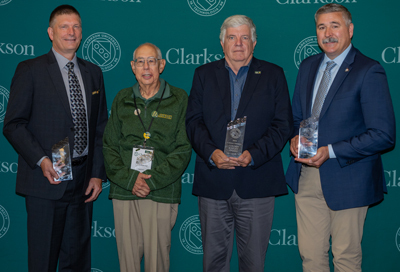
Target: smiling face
{"x":334,"y":36}
{"x":238,"y":46}
{"x":66,"y":34}
{"x":147,"y":75}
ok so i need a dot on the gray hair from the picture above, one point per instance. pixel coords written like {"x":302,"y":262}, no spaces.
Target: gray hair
{"x":235,"y":21}
{"x":329,"y":8}
{"x":159,"y":55}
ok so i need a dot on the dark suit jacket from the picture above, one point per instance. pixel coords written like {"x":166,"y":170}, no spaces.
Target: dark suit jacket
{"x":38,"y":116}
{"x":266,"y":103}
{"x":357,"y":119}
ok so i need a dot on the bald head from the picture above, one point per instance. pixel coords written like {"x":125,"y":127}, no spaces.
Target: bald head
{"x":159,"y":55}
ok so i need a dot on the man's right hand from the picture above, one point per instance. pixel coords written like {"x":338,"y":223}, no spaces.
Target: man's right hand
{"x":141,"y":189}
{"x":48,"y":171}
{"x":294,"y":146}
{"x":222,"y":161}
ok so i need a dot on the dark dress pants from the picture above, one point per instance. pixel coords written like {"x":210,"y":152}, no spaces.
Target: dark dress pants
{"x":59,"y":230}
{"x":251,"y":219}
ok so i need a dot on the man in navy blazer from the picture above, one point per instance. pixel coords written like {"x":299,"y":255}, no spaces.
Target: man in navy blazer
{"x":356,"y":124}
{"x":237,"y":194}
{"x":39,"y":115}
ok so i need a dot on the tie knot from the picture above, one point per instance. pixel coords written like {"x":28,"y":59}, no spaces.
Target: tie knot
{"x":330,"y":64}
{"x":70,"y":65}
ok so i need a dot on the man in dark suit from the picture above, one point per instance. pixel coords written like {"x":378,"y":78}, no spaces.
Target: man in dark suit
{"x":238,"y":194}
{"x":349,"y":94}
{"x":52,"y":97}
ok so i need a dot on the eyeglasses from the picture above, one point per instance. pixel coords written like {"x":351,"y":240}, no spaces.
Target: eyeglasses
{"x":151,"y":61}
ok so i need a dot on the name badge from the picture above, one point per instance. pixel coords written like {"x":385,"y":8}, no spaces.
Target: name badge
{"x":142,"y":158}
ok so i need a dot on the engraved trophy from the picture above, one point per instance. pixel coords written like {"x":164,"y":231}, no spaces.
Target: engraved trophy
{"x":308,"y":138}
{"x":62,"y":160}
{"x":235,"y":137}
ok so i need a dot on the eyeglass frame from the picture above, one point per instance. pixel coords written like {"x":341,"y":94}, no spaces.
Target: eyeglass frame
{"x":146,"y":60}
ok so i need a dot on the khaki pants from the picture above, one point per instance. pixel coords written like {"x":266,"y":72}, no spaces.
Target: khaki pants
{"x":316,"y":223}
{"x":144,"y":227}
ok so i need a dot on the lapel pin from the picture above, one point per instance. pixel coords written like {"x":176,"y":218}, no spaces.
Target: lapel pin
{"x":347,"y":69}
{"x":257,"y":72}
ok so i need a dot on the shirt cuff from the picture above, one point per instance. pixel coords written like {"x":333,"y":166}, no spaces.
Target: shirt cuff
{"x":210,"y":160}
{"x":331,"y":152}
{"x":40,"y":161}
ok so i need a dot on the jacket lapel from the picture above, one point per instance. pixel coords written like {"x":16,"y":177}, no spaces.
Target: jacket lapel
{"x":250,"y":86}
{"x":342,"y":73}
{"x":88,"y":90}
{"x":224,"y":87}
{"x":55,"y":75}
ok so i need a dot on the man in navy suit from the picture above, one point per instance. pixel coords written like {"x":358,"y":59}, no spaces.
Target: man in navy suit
{"x":356,"y":124}
{"x":238,"y":194}
{"x":43,"y":109}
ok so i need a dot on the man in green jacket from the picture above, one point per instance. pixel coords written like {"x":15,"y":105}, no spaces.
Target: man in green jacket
{"x":146,"y":150}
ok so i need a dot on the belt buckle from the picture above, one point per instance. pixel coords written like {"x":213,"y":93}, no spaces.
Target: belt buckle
{"x":78,"y":161}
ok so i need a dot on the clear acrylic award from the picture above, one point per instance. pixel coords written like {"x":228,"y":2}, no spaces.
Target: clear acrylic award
{"x":61,"y":157}
{"x":235,"y":137}
{"x":308,"y":138}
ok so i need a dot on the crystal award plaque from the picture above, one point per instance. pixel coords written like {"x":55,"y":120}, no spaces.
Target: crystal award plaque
{"x":235,"y":137}
{"x":308,"y":138}
{"x":61,"y":157}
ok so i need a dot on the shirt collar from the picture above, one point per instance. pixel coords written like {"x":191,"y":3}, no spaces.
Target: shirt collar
{"x":339,"y":59}
{"x":246,"y":67}
{"x":62,"y":61}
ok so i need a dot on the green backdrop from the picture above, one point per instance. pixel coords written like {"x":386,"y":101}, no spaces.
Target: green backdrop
{"x":187,"y":33}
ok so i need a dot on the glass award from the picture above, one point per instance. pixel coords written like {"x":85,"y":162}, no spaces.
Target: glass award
{"x":61,"y":157}
{"x":235,"y":137}
{"x":308,"y":138}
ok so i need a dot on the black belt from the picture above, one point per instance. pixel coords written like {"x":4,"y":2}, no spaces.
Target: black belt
{"x":78,"y":161}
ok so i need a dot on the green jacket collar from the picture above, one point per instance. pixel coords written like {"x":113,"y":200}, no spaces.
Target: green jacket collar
{"x":163,"y":84}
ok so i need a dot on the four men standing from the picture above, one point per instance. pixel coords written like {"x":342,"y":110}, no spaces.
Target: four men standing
{"x":58,"y":95}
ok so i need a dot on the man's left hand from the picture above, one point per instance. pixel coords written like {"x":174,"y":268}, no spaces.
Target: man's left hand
{"x":243,"y":160}
{"x":94,"y":187}
{"x":319,"y":158}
